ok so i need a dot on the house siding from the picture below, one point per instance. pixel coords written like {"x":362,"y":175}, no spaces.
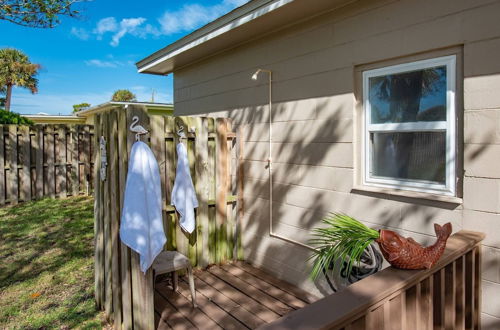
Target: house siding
{"x":314,"y":128}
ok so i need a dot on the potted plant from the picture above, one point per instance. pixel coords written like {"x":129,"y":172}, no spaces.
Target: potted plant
{"x":345,"y":238}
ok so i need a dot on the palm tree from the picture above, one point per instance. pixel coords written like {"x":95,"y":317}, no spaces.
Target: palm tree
{"x":16,"y":70}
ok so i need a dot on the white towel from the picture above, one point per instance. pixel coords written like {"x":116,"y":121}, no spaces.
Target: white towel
{"x":141,"y":225}
{"x":183,"y":194}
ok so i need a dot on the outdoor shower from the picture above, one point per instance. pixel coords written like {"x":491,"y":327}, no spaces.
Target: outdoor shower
{"x":371,"y":259}
{"x":269,"y":160}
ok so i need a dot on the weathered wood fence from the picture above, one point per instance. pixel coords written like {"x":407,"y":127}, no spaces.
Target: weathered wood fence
{"x":122,"y":290}
{"x":44,"y":161}
{"x":448,"y":296}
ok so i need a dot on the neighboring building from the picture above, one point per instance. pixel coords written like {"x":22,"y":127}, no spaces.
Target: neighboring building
{"x":86,"y":116}
{"x":56,"y":119}
{"x":388,"y":111}
{"x":152,"y":108}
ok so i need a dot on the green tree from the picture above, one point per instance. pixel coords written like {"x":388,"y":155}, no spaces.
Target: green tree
{"x":123,"y":95}
{"x":16,"y":70}
{"x":81,"y":106}
{"x":37,"y":13}
{"x":7,"y":117}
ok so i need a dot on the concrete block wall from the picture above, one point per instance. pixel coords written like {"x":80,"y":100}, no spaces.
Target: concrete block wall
{"x":314,"y":97}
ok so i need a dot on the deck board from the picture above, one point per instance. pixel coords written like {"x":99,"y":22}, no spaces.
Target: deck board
{"x":250,"y":304}
{"x":270,"y":302}
{"x":196,"y":315}
{"x":285,"y":286}
{"x":266,"y":287}
{"x":169,"y":315}
{"x":228,"y":305}
{"x":233,"y":296}
{"x":217,"y":314}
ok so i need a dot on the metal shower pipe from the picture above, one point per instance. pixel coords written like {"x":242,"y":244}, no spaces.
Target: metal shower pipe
{"x":270,"y":162}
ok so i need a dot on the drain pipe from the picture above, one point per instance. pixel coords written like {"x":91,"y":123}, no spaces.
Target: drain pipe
{"x":270,"y":161}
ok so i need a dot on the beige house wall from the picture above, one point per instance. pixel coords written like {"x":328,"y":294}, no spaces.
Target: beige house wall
{"x":314,"y":65}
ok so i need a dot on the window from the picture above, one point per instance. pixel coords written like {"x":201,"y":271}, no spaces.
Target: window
{"x":409,"y":126}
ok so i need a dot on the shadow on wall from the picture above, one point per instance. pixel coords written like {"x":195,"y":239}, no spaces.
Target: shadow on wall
{"x":313,"y":175}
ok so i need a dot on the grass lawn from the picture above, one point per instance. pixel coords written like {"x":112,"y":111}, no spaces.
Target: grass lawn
{"x":46,"y":268}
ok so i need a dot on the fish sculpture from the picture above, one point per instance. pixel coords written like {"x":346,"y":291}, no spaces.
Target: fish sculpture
{"x":405,"y":253}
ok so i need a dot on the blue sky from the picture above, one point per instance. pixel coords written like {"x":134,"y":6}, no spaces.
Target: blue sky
{"x":86,"y":59}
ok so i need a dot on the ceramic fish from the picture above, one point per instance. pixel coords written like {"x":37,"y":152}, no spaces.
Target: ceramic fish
{"x":405,"y":253}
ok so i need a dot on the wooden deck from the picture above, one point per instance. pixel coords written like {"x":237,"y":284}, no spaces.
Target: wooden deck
{"x":233,"y":296}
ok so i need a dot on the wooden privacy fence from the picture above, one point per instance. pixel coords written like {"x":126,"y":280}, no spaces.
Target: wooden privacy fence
{"x":44,"y":161}
{"x":448,"y":296}
{"x":122,"y":290}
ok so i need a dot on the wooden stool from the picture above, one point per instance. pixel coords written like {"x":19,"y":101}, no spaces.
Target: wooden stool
{"x":170,"y":262}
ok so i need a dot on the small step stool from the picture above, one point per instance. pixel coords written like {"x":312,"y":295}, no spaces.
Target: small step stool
{"x":171,"y":262}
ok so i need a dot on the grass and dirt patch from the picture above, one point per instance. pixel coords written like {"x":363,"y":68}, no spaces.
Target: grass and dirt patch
{"x":46,"y":265}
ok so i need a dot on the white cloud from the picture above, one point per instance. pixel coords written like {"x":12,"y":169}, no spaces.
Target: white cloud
{"x":127,"y":25}
{"x":104,"y":25}
{"x":187,"y":18}
{"x":192,"y":16}
{"x":103,"y":64}
{"x":119,"y":30}
{"x":80,"y":33}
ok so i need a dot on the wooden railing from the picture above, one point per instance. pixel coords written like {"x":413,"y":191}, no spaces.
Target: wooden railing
{"x":45,"y":161}
{"x":448,"y":296}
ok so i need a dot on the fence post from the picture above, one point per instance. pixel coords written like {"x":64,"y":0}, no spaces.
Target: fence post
{"x":240,"y":200}
{"x":24,"y":162}
{"x":2,"y":168}
{"x":142,"y":284}
{"x":221,"y":189}
{"x":170,"y":156}
{"x":181,"y":241}
{"x":202,"y":188}
{"x":62,"y":161}
{"x":98,"y":223}
{"x":126,"y":285}
{"x":49,"y":148}
{"x":229,"y":185}
{"x":75,"y":177}
{"x":108,"y":256}
{"x":11,"y":155}
{"x":39,"y":154}
{"x":115,"y":218}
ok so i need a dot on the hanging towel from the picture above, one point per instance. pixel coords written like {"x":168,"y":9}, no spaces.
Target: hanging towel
{"x":141,"y":224}
{"x":183,"y":194}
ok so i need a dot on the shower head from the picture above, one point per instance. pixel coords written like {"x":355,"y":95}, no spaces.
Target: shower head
{"x":256,"y":74}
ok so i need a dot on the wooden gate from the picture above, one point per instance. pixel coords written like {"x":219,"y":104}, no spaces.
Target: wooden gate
{"x":122,"y":290}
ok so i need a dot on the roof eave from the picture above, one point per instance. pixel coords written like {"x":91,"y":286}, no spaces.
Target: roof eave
{"x":245,"y":23}
{"x":199,"y":33}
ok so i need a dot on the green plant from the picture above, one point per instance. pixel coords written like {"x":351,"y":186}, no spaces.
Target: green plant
{"x":7,"y":117}
{"x":37,"y":13}
{"x":123,"y":95}
{"x":16,"y":70}
{"x":81,"y":106}
{"x":343,"y":238}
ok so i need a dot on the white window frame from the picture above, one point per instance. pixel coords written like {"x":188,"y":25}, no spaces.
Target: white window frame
{"x":449,"y":188}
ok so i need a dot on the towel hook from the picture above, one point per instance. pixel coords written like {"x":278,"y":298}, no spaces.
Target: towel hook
{"x":180,"y":132}
{"x":137,"y":129}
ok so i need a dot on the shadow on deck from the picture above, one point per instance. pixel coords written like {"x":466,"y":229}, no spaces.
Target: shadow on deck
{"x":232,"y":296}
